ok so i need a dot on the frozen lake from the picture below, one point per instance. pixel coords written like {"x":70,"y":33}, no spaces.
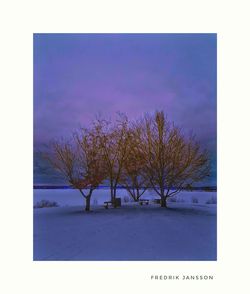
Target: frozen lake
{"x":69,"y":197}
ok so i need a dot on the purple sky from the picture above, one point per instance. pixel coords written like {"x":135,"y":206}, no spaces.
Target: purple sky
{"x":77,"y":76}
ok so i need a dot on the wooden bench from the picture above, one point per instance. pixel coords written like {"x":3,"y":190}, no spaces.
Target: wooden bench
{"x":107,"y":204}
{"x":144,"y":201}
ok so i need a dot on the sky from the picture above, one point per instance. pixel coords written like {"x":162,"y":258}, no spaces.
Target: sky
{"x":78,"y":76}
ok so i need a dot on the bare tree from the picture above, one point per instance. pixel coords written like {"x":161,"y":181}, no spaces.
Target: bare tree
{"x":133,"y":172}
{"x":172,"y":160}
{"x":79,"y":162}
{"x":113,"y":142}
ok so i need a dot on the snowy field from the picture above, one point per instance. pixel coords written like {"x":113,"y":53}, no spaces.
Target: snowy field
{"x":184,"y":231}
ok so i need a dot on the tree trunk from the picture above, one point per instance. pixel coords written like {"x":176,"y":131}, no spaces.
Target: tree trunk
{"x":112,"y":192}
{"x":114,"y":196}
{"x":87,"y":207}
{"x":137,"y":194}
{"x":163,"y":202}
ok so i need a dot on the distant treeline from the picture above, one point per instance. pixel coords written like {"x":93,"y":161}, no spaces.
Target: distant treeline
{"x":202,"y":188}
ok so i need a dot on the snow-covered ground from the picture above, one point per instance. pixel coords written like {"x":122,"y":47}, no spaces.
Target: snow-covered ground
{"x":184,"y":231}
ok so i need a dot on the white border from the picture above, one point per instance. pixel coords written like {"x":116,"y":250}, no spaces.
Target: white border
{"x":19,"y":20}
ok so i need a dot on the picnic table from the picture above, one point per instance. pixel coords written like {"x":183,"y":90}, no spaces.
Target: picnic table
{"x":143,"y":201}
{"x":110,"y":203}
{"x":107,"y":204}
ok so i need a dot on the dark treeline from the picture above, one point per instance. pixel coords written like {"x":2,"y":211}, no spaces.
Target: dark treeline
{"x":201,"y":188}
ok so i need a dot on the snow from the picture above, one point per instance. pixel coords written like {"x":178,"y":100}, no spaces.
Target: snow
{"x":183,"y":231}
{"x":71,"y":197}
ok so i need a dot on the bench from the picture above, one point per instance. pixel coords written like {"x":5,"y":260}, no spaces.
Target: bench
{"x":144,"y":201}
{"x":107,"y":204}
